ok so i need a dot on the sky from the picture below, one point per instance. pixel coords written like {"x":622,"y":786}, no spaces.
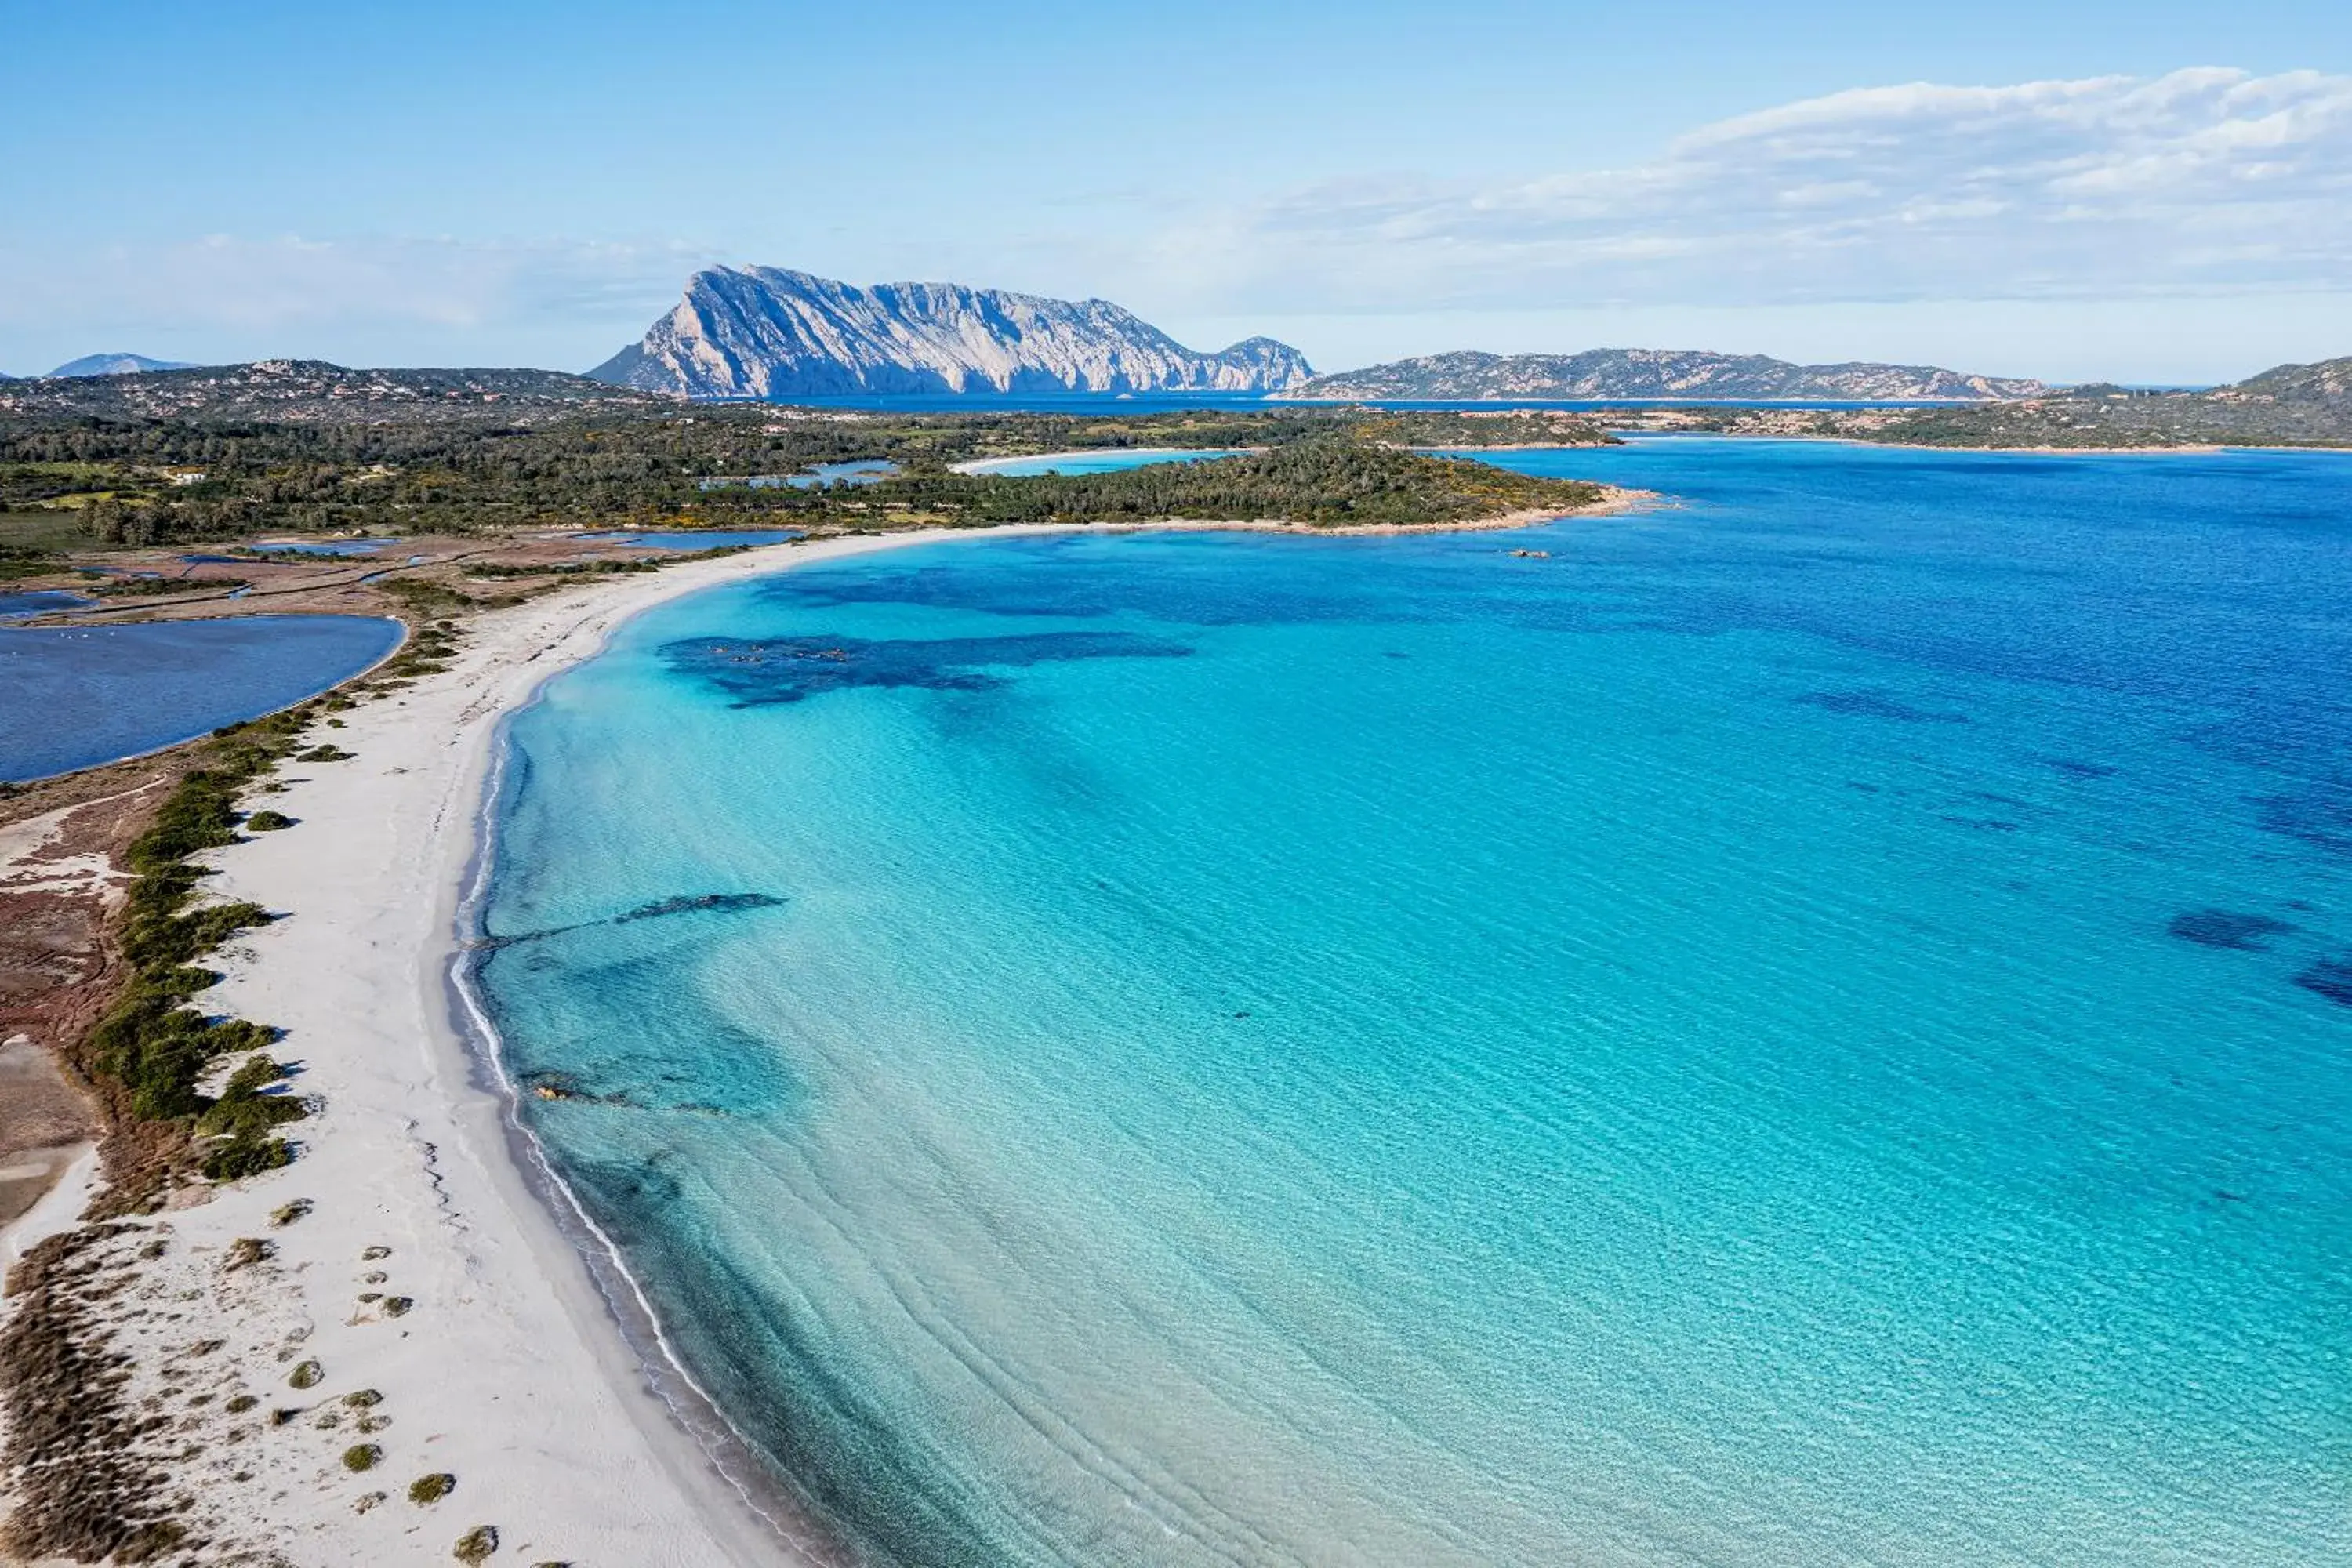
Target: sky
{"x":2155,"y":191}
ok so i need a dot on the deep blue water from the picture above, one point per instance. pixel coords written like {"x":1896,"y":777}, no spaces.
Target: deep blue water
{"x":1810,"y":1026}
{"x":72,"y":697}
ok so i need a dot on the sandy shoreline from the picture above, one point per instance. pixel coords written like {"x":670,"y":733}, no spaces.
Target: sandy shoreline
{"x":522,"y":1365}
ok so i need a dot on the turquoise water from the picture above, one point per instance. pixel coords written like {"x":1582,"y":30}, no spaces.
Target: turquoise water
{"x":699,"y":538}
{"x":1105,"y":461}
{"x":73,"y":697}
{"x":327,"y":546}
{"x":1807,"y":1028}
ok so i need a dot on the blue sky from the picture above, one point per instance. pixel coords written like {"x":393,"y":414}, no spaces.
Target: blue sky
{"x":2155,"y":191}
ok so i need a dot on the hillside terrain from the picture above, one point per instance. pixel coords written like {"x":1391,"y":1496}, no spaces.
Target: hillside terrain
{"x":2291,"y":406}
{"x":1651,"y":374}
{"x":765,"y":332}
{"x":314,"y":392}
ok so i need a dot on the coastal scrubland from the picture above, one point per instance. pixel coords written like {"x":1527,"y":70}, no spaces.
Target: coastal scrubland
{"x":115,"y":476}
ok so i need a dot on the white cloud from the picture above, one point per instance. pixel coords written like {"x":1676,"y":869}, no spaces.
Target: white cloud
{"x":2201,"y":181}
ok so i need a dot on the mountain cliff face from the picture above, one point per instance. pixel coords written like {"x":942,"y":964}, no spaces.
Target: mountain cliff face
{"x":764,"y":332}
{"x":1654,"y":372}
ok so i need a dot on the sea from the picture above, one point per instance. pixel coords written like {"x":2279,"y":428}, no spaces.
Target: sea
{"x":1810,"y":1024}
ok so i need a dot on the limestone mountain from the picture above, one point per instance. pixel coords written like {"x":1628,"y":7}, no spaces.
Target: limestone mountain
{"x":1654,"y":372}
{"x":765,"y":332}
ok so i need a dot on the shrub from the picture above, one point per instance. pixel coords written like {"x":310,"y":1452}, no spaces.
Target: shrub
{"x":240,"y":1158}
{"x":267,"y":822}
{"x":287,"y":1214}
{"x":307,"y":1376}
{"x":361,"y":1457}
{"x":431,"y":1489}
{"x":239,"y":1404}
{"x":324,"y":754}
{"x":477,"y":1544}
{"x":364,"y":1399}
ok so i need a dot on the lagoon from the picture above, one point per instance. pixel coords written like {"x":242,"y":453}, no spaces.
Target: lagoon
{"x":73,"y":697}
{"x":1104,"y":460}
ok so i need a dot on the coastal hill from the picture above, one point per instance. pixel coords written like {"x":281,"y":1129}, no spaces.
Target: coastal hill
{"x":2328,"y":382}
{"x":765,"y":332}
{"x":1653,"y":373}
{"x":117,"y":365}
{"x":309,"y":392}
{"x":2289,"y":405}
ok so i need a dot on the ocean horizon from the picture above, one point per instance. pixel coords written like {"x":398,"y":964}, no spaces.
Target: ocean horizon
{"x":1807,"y":1024}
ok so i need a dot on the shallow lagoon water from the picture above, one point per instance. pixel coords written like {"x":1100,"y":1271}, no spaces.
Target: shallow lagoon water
{"x":1105,"y":461}
{"x":41,"y":602}
{"x":73,"y":697}
{"x":1807,"y":1028}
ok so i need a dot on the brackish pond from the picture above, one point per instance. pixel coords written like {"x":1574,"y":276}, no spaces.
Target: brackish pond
{"x":73,"y":697}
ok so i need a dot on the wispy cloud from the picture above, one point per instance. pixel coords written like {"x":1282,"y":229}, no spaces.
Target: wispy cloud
{"x":2201,"y":179}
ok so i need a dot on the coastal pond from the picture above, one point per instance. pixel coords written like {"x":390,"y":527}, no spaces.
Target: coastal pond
{"x":1109,"y":460}
{"x":74,"y":697}
{"x":696,"y":539}
{"x":41,"y":602}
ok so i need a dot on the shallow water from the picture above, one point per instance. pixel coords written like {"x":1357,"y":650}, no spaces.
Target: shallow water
{"x":1806,"y":1027}
{"x":327,"y":546}
{"x":699,"y":538}
{"x":41,"y":602}
{"x":73,"y":697}
{"x":1105,"y":461}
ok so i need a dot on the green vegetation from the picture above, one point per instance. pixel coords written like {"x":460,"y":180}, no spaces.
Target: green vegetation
{"x":477,"y":1544}
{"x":150,"y":1049}
{"x":267,"y":822}
{"x":305,"y":1375}
{"x":157,"y":587}
{"x":1333,"y":481}
{"x":127,"y":477}
{"x":431,"y":1489}
{"x":362,"y":1456}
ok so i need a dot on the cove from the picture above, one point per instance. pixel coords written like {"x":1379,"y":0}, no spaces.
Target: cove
{"x":1802,"y":1026}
